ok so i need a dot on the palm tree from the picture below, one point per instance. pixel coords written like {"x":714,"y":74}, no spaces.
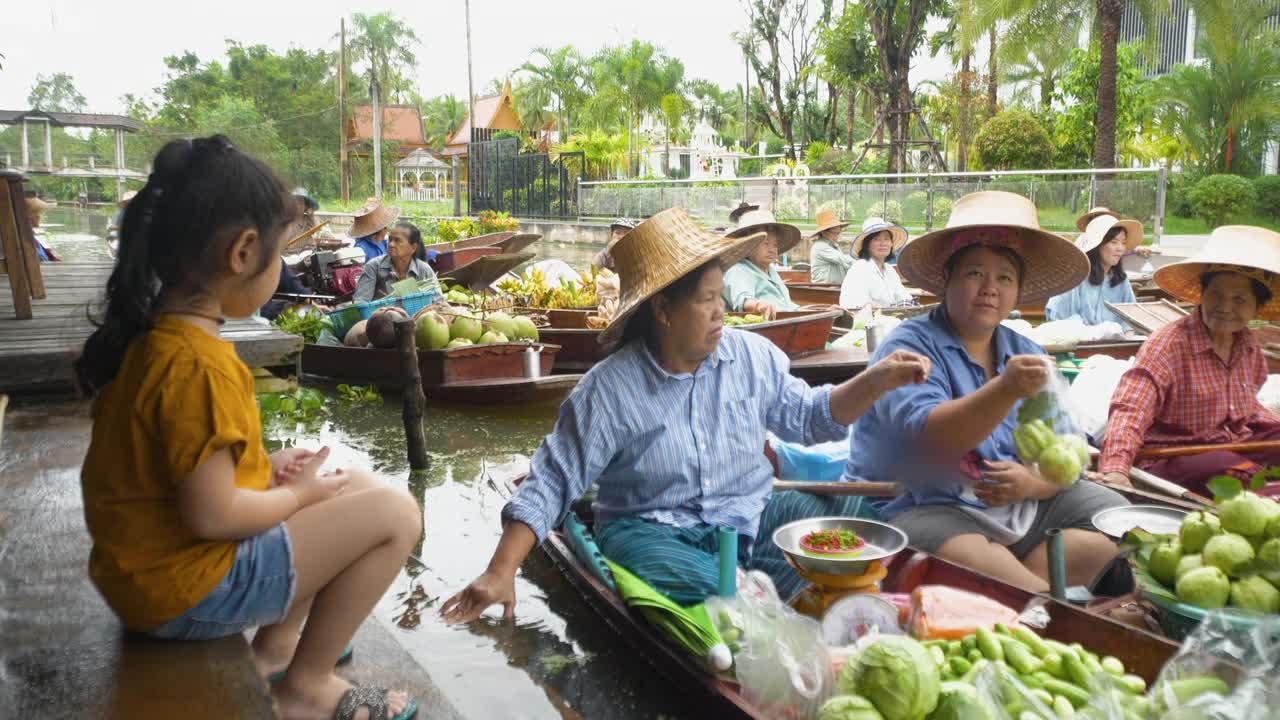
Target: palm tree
{"x":1037,"y":47}
{"x":958,"y":39}
{"x":386,"y":44}
{"x":440,"y":117}
{"x":559,"y":74}
{"x":631,"y":77}
{"x":604,"y":154}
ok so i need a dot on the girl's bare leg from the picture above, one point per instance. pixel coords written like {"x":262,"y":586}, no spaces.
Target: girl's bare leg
{"x":977,"y":552}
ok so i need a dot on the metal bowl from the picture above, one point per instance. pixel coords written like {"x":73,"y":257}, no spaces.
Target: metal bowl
{"x":882,"y":542}
{"x":1155,"y":519}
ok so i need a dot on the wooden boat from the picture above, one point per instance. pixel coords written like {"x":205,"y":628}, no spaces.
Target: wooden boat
{"x":482,"y":272}
{"x":793,"y":276}
{"x":517,"y":242}
{"x":830,"y":366}
{"x":476,"y":374}
{"x":1142,"y":652}
{"x":807,"y":293}
{"x":454,"y":259}
{"x":490,"y":240}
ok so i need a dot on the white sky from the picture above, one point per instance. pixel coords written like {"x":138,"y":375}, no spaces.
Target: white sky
{"x":113,"y":48}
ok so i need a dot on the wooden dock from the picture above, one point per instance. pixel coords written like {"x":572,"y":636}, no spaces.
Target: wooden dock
{"x":36,"y":354}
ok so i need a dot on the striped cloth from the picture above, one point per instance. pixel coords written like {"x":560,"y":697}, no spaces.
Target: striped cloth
{"x":681,"y":450}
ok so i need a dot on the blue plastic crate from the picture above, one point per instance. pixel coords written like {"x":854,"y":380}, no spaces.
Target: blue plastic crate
{"x":342,"y":320}
{"x":411,"y":303}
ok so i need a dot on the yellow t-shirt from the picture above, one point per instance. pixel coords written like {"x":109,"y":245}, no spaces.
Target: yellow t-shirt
{"x":180,"y":396}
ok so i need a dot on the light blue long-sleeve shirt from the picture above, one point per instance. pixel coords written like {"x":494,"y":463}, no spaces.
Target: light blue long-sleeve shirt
{"x":682,"y":449}
{"x":744,"y":281}
{"x":1088,"y":302}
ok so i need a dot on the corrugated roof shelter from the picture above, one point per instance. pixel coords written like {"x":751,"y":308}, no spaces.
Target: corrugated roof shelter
{"x":493,"y":112}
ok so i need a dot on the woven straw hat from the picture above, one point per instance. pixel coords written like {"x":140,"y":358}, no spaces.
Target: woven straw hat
{"x":660,"y":251}
{"x":374,"y":220}
{"x":1101,"y":225}
{"x":743,"y":207}
{"x":827,"y":220}
{"x":758,"y":221}
{"x":35,"y":204}
{"x":1250,"y":251}
{"x":126,"y":198}
{"x":873,"y":225}
{"x":998,"y":219}
{"x":1083,"y":221}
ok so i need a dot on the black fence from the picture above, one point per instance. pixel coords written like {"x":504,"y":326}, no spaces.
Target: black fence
{"x":531,"y":185}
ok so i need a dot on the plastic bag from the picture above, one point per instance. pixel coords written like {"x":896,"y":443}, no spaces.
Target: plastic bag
{"x":781,"y":662}
{"x":1048,"y":434}
{"x":1004,"y":697}
{"x":821,"y":462}
{"x":1092,"y":390}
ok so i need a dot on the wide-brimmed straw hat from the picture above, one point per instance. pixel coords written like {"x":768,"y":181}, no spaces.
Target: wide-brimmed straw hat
{"x":35,"y":204}
{"x":1250,"y":251}
{"x":827,"y":220}
{"x":126,"y":198}
{"x":755,"y":221}
{"x":874,"y":225}
{"x":660,"y":251}
{"x":1053,"y":264}
{"x":1101,"y":225}
{"x":374,"y":220}
{"x":743,"y":207}
{"x":621,"y":222}
{"x":1083,"y":221}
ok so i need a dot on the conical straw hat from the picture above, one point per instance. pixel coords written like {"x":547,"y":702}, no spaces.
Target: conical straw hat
{"x":873,"y":225}
{"x":743,"y":207}
{"x":1083,"y":221}
{"x":827,"y":220}
{"x":1250,"y":251}
{"x":997,"y":219}
{"x":1101,"y":225}
{"x":374,"y":220}
{"x":757,"y":221}
{"x":660,"y":251}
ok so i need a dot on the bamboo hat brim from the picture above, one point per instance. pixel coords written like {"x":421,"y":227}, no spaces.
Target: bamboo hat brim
{"x":827,"y":220}
{"x":35,"y":204}
{"x":1250,"y":251}
{"x":760,"y":221}
{"x":371,"y":222}
{"x":660,"y":251}
{"x":1101,"y":225}
{"x":1083,"y":221}
{"x":997,"y":219}
{"x":876,"y":225}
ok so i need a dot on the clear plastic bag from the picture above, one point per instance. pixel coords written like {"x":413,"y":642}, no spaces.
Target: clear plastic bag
{"x":1004,"y":696}
{"x":1048,"y":435}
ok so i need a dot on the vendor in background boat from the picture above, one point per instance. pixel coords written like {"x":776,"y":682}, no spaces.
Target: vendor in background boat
{"x":753,"y":285}
{"x":967,"y":497}
{"x":1082,"y":224}
{"x":1105,"y":241}
{"x":400,"y":262}
{"x":617,"y":229}
{"x":827,"y":262}
{"x":871,"y":280}
{"x":370,"y":229}
{"x":113,"y":229}
{"x":1196,"y":381}
{"x":672,"y":426}
{"x":35,"y":209}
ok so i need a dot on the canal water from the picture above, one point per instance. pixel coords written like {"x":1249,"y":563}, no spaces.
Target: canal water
{"x":558,"y":659}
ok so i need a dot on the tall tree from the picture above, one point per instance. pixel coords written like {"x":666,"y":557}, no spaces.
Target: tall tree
{"x":385,"y":44}
{"x":630,"y":77}
{"x":440,"y":117}
{"x":1036,"y":49}
{"x":55,"y":93}
{"x":898,"y":29}
{"x":849,"y":61}
{"x":958,"y":40}
{"x":780,"y":67}
{"x":558,"y":74}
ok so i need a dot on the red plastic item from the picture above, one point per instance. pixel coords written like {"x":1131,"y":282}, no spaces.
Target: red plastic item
{"x":939,"y":612}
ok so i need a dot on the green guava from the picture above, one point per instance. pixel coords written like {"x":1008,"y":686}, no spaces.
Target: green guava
{"x":1228,"y":552}
{"x":1196,"y":530}
{"x":1163,"y":564}
{"x":1255,"y":593}
{"x":1245,"y":514}
{"x":1206,"y":587}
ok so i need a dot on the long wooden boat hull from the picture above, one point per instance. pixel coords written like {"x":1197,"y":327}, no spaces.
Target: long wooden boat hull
{"x":505,"y":391}
{"x":814,"y":293}
{"x":517,"y":242}
{"x":490,"y":240}
{"x":830,"y":366}
{"x":456,"y":259}
{"x":794,"y":276}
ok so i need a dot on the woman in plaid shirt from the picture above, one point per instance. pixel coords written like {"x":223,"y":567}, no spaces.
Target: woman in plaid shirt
{"x":1196,"y":381}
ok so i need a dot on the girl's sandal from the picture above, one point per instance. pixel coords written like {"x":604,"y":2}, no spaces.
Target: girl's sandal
{"x":374,"y":698}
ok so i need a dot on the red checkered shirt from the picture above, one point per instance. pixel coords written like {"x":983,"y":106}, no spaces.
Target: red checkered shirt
{"x":1179,"y":392}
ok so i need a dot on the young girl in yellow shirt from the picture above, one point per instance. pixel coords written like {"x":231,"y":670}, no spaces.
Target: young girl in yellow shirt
{"x":197,"y":532}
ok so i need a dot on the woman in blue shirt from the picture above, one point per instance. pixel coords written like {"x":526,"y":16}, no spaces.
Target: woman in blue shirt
{"x":370,"y":229}
{"x":1105,"y":241}
{"x":949,"y":441}
{"x":672,"y":428}
{"x":753,"y":284}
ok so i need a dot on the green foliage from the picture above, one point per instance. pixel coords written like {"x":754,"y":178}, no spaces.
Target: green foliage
{"x":359,"y":394}
{"x":814,"y":153}
{"x":440,"y":117}
{"x":1267,"y":188}
{"x":1218,"y":198}
{"x":452,"y":230}
{"x":1074,"y":132}
{"x":890,"y":211}
{"x":833,"y":162}
{"x":384,"y":44}
{"x":492,"y":222}
{"x":55,"y":93}
{"x":304,"y":405}
{"x":558,"y":74}
{"x":307,"y":323}
{"x":1177,"y":201}
{"x":1013,"y":140}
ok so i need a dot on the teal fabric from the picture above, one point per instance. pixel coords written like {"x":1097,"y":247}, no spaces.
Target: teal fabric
{"x":1088,"y":303}
{"x":827,"y":264}
{"x":745,"y":281}
{"x":683,"y":562}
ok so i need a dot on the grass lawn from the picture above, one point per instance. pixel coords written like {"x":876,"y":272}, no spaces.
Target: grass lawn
{"x":407,"y":207}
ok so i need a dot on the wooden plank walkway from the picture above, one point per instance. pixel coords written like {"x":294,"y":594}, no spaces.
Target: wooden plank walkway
{"x":37,"y":354}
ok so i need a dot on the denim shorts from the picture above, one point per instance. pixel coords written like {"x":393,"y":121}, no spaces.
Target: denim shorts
{"x":257,"y":590}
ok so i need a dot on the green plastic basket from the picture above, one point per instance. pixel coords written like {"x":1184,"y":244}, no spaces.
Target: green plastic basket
{"x":1177,"y":620}
{"x":343,"y":319}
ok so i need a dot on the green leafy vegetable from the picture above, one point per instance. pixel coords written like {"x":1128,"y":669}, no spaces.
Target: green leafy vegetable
{"x":307,"y":323}
{"x":303,"y":405}
{"x":360,"y":394}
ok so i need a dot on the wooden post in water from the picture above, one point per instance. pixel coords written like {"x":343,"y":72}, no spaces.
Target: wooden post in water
{"x":343,"y":174}
{"x":415,"y":402}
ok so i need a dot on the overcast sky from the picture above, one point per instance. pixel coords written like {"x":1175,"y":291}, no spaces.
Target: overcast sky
{"x":113,"y":48}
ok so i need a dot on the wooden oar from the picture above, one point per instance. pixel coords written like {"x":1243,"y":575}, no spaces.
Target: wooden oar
{"x":1142,"y":478}
{"x":839,"y":489}
{"x":1153,"y":453}
{"x":308,"y":233}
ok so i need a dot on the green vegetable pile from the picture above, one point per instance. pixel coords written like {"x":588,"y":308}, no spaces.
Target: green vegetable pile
{"x":1227,"y":559}
{"x":736,"y":320}
{"x":307,"y":323}
{"x":1060,"y":456}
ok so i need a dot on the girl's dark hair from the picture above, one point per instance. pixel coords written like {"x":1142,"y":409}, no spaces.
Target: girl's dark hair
{"x":1261,"y":292}
{"x":641,"y":323}
{"x":415,"y":239}
{"x":864,"y":253}
{"x":200,"y":195}
{"x":1019,"y":266}
{"x":1117,"y":273}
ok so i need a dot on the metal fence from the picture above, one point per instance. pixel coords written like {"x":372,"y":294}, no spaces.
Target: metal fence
{"x":918,"y":201}
{"x":534,"y":185}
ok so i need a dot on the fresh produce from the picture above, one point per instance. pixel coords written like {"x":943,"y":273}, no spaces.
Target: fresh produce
{"x":534,"y":290}
{"x":832,"y":543}
{"x":1186,"y":564}
{"x":501,"y":323}
{"x":356,"y":336}
{"x":1061,"y":457}
{"x":898,"y":675}
{"x":381,"y":328}
{"x":1033,"y":438}
{"x":1060,"y":464}
{"x":848,"y":707}
{"x":738,"y":320}
{"x":959,"y":700}
{"x":1246,"y":514}
{"x":1255,"y":593}
{"x":1228,"y":552}
{"x":1196,"y":530}
{"x":523,"y":329}
{"x":1206,"y":587}
{"x":464,"y":325}
{"x":1269,"y":555}
{"x":306,"y":323}
{"x":458,"y":342}
{"x":489,"y":337}
{"x":432,"y":332}
{"x":1164,"y":561}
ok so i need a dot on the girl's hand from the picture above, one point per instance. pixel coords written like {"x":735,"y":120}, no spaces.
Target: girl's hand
{"x":1006,"y":483}
{"x":310,"y":486}
{"x":1025,"y":375}
{"x":286,"y":463}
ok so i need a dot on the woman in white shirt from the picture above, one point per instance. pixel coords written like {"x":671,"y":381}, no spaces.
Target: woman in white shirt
{"x":871,"y":281}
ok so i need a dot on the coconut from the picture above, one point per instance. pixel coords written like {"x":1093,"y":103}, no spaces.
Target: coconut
{"x":432,"y":332}
{"x":500,"y":322}
{"x":464,"y":325}
{"x":488,"y":338}
{"x":381,"y":329}
{"x":356,"y":336}
{"x":523,"y":329}
{"x":459,"y":342}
